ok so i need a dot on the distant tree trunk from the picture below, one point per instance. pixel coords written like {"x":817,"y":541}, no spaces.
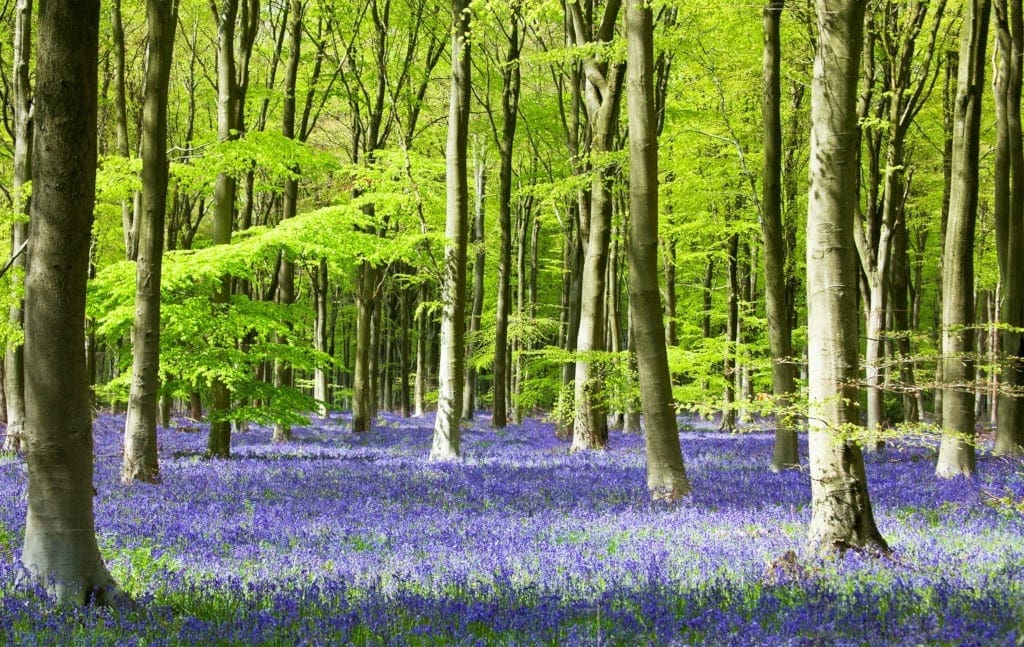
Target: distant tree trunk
{"x":140,"y":438}
{"x":404,"y":352}
{"x":479,"y":253}
{"x":510,"y":91}
{"x":666,"y":474}
{"x":842,"y":517}
{"x":671,"y":336}
{"x":320,"y":330}
{"x":14,"y":364}
{"x":957,"y":454}
{"x":602,"y":97}
{"x":128,"y":224}
{"x":447,"y":435}
{"x":219,"y":443}
{"x":1009,"y":219}
{"x":286,"y":275}
{"x":728,"y":422}
{"x":60,"y":550}
{"x":572,"y":263}
{"x":780,"y":342}
{"x":422,"y":364}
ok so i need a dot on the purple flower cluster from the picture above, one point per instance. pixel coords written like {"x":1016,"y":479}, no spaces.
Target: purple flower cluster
{"x":340,"y":538}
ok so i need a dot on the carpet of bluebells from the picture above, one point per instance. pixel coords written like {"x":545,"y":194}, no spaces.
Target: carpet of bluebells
{"x":341,"y":538}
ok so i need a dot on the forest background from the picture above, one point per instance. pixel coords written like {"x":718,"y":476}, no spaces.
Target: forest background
{"x":308,"y":248}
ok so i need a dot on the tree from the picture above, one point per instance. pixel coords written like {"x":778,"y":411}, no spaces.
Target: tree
{"x":956,"y":454}
{"x":140,"y":457}
{"x":666,"y":474}
{"x":453,"y":283}
{"x":60,"y":549}
{"x":841,"y":509}
{"x":775,"y":253}
{"x":1008,"y":205}
{"x":14,"y":364}
{"x":602,"y":93}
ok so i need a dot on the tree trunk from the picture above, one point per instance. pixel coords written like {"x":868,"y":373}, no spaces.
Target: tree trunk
{"x":60,"y":550}
{"x":957,"y":454}
{"x":447,"y":435}
{"x":841,"y":508}
{"x":728,"y":422}
{"x":780,"y":339}
{"x":128,"y":224}
{"x":403,"y":352}
{"x":320,"y":326}
{"x":602,"y":97}
{"x":666,"y":474}
{"x":422,"y":365}
{"x":1009,"y":220}
{"x":286,"y":275}
{"x":14,"y":364}
{"x":469,"y":389}
{"x":219,"y":442}
{"x":140,"y":438}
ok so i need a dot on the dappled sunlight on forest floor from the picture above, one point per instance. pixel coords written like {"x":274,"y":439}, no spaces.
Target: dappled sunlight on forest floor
{"x":339,"y":538}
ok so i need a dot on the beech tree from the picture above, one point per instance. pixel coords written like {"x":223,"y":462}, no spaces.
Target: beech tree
{"x":956,"y":454}
{"x":60,"y":549}
{"x":14,"y":364}
{"x":666,"y":474}
{"x":140,"y":437}
{"x":841,"y":509}
{"x":453,"y":282}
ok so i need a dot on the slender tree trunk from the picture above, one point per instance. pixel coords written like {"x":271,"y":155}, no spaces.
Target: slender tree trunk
{"x":842,"y":517}
{"x":14,"y":373}
{"x":286,"y":275}
{"x":140,"y":436}
{"x":422,"y":365}
{"x":780,"y":340}
{"x":957,"y":454}
{"x":60,"y":550}
{"x":671,"y":336}
{"x":219,"y":443}
{"x":447,"y":435}
{"x":403,"y":352}
{"x":479,"y":251}
{"x":1009,"y":220}
{"x":320,"y":329}
{"x":128,"y":224}
{"x":728,"y":422}
{"x":510,"y":87}
{"x":666,"y":474}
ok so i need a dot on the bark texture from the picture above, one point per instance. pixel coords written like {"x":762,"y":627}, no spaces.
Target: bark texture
{"x":842,"y":517}
{"x":666,"y":473}
{"x":956,"y":454}
{"x":60,"y":549}
{"x":140,"y":435}
{"x":453,"y":294}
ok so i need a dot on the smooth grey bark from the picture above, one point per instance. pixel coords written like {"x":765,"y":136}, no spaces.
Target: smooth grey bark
{"x":728,"y":422}
{"x":957,"y":453}
{"x":422,"y":365}
{"x":479,"y":258}
{"x":666,"y":473}
{"x":226,"y":15}
{"x":14,"y":362}
{"x":128,"y":223}
{"x":1008,"y":205}
{"x":602,"y":93}
{"x":780,"y":339}
{"x":286,"y":274}
{"x":948,"y":98}
{"x":60,"y":551}
{"x":510,"y":92}
{"x":841,"y":508}
{"x":140,"y":432}
{"x":321,"y":383}
{"x":445,"y":445}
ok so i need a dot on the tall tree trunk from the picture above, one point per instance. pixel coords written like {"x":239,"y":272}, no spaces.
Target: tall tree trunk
{"x":780,"y":339}
{"x":60,"y":550}
{"x":572,"y":264}
{"x":510,"y":87}
{"x":666,"y":474}
{"x":1009,"y":220}
{"x":479,"y":257}
{"x":404,"y":352}
{"x":602,"y":96}
{"x":219,"y":442}
{"x":14,"y":364}
{"x":140,"y":437}
{"x":128,"y":224}
{"x":841,"y":508}
{"x":446,"y":440}
{"x":286,"y":275}
{"x":957,"y":454}
{"x":728,"y":422}
{"x":320,"y":329}
{"x":422,"y":364}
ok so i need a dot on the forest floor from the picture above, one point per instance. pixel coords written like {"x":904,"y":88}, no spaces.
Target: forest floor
{"x":339,"y":538}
